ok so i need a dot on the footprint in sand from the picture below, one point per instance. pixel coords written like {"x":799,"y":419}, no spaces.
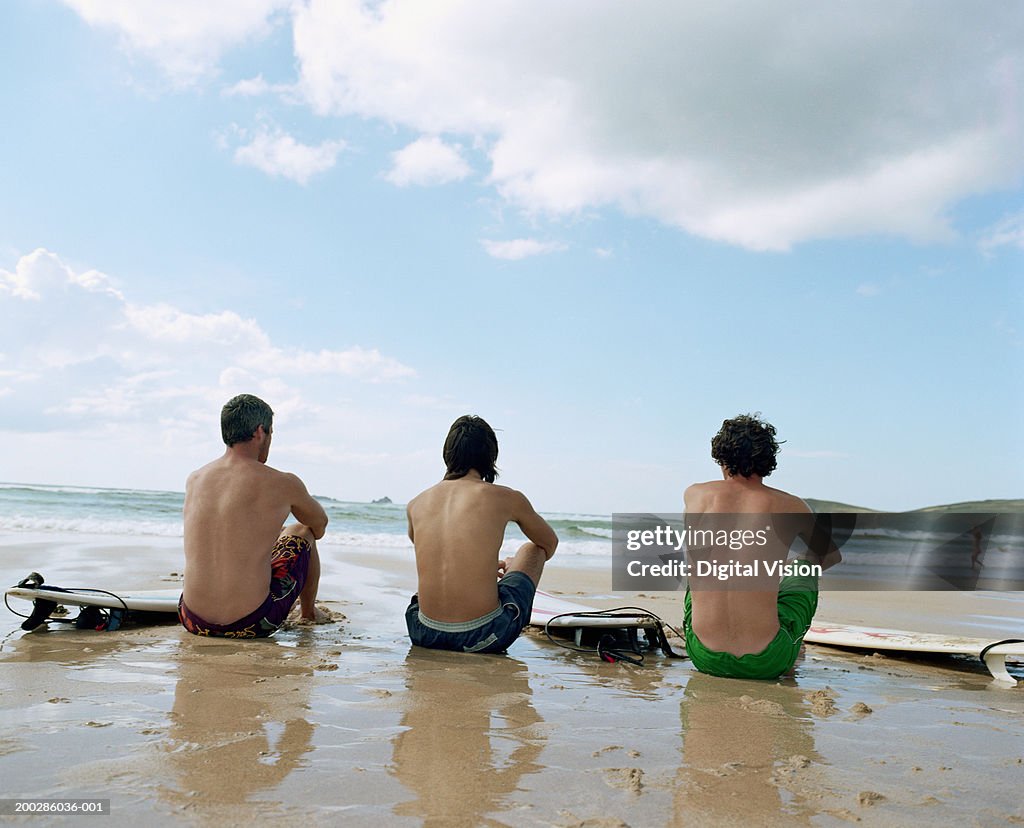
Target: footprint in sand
{"x":632,"y":779}
{"x":605,"y":749}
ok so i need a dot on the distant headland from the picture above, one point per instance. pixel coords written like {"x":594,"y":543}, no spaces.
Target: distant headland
{"x":1011,"y":505}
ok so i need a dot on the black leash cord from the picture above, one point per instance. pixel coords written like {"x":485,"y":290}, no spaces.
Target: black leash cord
{"x":113,"y":595}
{"x":605,"y":652}
{"x":984,"y":651}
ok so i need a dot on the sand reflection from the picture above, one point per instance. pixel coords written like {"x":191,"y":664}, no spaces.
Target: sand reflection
{"x":471,"y":736}
{"x":742,"y":742}
{"x":238,"y":725}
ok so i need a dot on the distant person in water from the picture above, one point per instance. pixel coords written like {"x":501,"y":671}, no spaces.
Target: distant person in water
{"x":976,"y":550}
{"x":244,"y":570}
{"x":750,"y":627}
{"x":468,"y":599}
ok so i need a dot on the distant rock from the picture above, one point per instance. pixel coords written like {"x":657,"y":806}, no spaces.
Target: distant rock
{"x":384,"y":501}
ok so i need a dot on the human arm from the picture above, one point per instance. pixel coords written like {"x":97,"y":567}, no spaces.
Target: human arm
{"x":827,"y":554}
{"x":536,"y":529}
{"x":306,"y":508}
{"x":821,"y":547}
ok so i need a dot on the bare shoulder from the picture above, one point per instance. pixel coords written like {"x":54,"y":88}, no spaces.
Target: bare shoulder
{"x":510,"y":495}
{"x":788,"y":503}
{"x":196,"y":478}
{"x":696,"y":488}
{"x":286,"y":481}
{"x":416,"y":501}
{"x":512,"y":502}
{"x":424,"y":497}
{"x":193,"y":487}
{"x":697,"y":494}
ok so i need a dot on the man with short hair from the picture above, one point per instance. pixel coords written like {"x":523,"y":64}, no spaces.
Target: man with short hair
{"x":457,"y":527}
{"x":243,"y":571}
{"x":750,"y":627}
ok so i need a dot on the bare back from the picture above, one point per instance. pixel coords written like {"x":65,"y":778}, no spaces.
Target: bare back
{"x":729,"y":619}
{"x":457,"y":527}
{"x":235,"y":508}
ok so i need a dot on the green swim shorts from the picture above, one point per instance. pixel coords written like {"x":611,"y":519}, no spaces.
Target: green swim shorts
{"x":798,"y":599}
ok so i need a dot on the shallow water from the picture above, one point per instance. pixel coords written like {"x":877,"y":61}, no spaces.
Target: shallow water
{"x":348,"y":722}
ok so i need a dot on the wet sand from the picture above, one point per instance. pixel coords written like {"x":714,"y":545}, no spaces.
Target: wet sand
{"x":346,"y":723}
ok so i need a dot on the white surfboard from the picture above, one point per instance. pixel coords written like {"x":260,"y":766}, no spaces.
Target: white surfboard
{"x":154,"y":600}
{"x":904,"y":641}
{"x":557,"y":612}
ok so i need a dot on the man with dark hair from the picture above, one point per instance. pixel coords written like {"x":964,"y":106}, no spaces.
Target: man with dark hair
{"x":470,"y":444}
{"x":241,"y":416}
{"x":745,"y":446}
{"x":243,"y":571}
{"x":457,"y":527}
{"x":750,"y":626}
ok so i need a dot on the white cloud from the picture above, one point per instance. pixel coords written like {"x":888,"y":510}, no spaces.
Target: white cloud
{"x":427,"y":161}
{"x":169,"y":324}
{"x":515,"y":249}
{"x":759,"y":125}
{"x":110,"y":402}
{"x":1009,"y":232}
{"x":247,"y":88}
{"x":41,"y":273}
{"x":255,"y":354}
{"x":75,"y":346}
{"x":186,"y":38}
{"x":868,"y":289}
{"x":354,"y":362}
{"x":278,"y":154}
{"x":258,"y":87}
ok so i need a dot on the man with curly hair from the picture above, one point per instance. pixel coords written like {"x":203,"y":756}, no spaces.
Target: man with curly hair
{"x":749,"y":627}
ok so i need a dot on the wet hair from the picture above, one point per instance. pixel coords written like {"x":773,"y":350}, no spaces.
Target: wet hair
{"x":241,"y":416}
{"x":470,"y":444}
{"x":746,"y":445}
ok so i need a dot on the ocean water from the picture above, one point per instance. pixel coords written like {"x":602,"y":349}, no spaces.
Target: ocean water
{"x":78,"y":510}
{"x":898,"y":556}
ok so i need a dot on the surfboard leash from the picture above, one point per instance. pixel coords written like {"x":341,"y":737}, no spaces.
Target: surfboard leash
{"x":88,"y":617}
{"x":987,"y":647}
{"x":608,"y":647}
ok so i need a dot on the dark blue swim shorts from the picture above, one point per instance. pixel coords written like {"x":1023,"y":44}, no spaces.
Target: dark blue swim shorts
{"x":491,"y":633}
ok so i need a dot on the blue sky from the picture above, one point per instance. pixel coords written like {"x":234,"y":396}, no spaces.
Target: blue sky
{"x":603,"y":227}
